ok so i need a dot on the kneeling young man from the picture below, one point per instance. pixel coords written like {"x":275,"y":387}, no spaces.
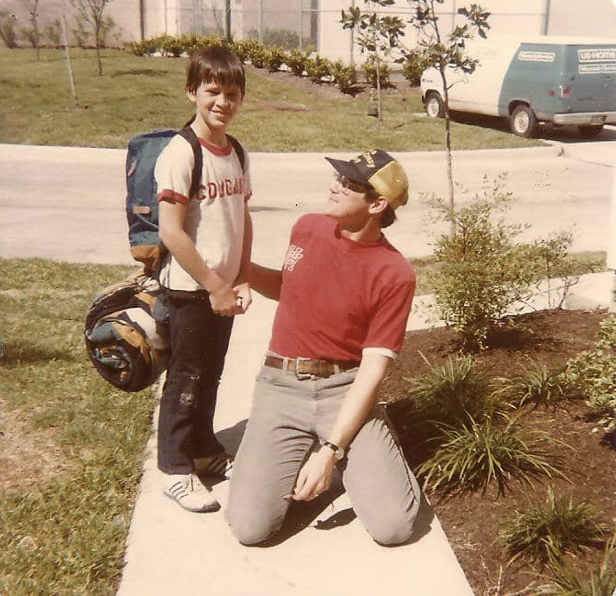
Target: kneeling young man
{"x":344,"y":295}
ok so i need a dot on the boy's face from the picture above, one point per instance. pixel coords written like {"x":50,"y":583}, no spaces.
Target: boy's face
{"x":216,"y":104}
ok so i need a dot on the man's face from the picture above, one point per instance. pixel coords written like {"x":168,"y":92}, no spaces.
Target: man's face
{"x":347,"y":201}
{"x":216,"y":104}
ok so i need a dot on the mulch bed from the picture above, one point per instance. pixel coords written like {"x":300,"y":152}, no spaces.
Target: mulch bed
{"x":471,"y":520}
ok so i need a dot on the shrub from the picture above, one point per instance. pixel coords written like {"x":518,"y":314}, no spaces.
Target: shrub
{"x":53,"y":32}
{"x":191,"y":42}
{"x":593,"y":374}
{"x":245,"y":48}
{"x":296,"y":60}
{"x":552,"y":259}
{"x":7,"y":30}
{"x":249,"y":50}
{"x":474,"y":454}
{"x":412,"y":68}
{"x":318,"y":69}
{"x":564,"y":581}
{"x":146,"y":47}
{"x":344,"y":76}
{"x":545,"y":531}
{"x":171,"y":46}
{"x":29,"y":34}
{"x":370,"y":71}
{"x":536,"y":384}
{"x":81,"y":32}
{"x":481,"y":271}
{"x":275,"y":59}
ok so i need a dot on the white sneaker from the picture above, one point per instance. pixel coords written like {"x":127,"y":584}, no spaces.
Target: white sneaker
{"x":188,"y":491}
{"x":220,"y":465}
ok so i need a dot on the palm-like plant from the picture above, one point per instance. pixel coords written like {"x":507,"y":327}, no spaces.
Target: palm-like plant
{"x":477,"y":453}
{"x":544,"y":531}
{"x":564,"y":581}
{"x":537,"y":384}
{"x":453,"y":392}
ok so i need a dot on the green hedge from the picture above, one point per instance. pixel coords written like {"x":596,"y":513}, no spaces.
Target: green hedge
{"x":273,"y":58}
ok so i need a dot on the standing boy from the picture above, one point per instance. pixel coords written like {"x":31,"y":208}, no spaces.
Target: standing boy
{"x":344,"y":296}
{"x":209,"y":239}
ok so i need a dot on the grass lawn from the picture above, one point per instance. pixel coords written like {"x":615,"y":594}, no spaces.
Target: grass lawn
{"x":64,"y":535}
{"x":139,"y":94}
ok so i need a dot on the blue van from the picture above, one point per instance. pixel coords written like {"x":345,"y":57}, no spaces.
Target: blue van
{"x":545,"y":79}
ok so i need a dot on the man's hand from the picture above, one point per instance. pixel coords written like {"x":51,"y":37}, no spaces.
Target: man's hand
{"x":315,"y":475}
{"x":224,"y":301}
{"x":244,"y":297}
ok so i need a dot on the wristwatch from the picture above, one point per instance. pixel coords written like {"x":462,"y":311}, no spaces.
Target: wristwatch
{"x":338,"y":452}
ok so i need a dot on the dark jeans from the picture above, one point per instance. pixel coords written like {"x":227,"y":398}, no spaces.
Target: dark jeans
{"x":199,"y":341}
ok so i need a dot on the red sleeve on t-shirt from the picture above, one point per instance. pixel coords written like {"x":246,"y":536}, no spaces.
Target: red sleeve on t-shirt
{"x":387,"y":326}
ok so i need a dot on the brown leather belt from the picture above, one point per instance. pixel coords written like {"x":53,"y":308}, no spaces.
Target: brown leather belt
{"x":304,"y":368}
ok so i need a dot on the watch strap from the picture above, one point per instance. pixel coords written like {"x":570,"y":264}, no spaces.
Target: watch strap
{"x":338,"y":451}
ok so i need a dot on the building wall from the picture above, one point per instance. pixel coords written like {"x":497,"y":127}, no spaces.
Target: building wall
{"x":592,"y":17}
{"x":317,"y":22}
{"x":125,"y":14}
{"x":530,"y":17}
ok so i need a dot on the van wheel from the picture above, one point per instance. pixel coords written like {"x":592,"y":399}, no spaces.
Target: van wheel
{"x":435,"y":108}
{"x":523,"y":121}
{"x":591,"y":130}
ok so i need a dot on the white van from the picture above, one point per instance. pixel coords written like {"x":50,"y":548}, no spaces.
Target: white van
{"x":542,"y":79}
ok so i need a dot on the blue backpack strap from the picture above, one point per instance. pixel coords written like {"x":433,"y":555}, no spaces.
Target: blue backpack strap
{"x":189,"y":134}
{"x":239,"y":150}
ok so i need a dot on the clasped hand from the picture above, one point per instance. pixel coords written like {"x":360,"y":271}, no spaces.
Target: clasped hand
{"x":315,"y":476}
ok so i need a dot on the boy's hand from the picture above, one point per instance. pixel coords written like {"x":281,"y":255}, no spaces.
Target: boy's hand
{"x":244,"y":296}
{"x":224,"y":301}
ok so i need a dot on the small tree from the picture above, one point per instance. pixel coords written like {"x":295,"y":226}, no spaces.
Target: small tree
{"x":7,"y":29}
{"x":53,"y":32}
{"x":33,"y":10}
{"x":92,"y":13}
{"x":69,"y":66}
{"x":383,"y":34}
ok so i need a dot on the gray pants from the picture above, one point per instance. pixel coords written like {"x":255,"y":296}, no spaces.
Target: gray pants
{"x":288,"y":417}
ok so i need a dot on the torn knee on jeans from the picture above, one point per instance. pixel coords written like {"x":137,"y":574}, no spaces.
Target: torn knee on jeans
{"x":188,"y":393}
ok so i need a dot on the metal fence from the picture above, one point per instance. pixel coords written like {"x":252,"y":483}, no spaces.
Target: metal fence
{"x":294,"y":26}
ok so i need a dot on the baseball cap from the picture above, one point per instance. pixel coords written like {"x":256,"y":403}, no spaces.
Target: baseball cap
{"x":379,"y":170}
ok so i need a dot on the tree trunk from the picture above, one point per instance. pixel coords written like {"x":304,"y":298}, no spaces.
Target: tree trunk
{"x":379,"y":107}
{"x":451,"y":199}
{"x":68,"y":61}
{"x":99,"y":62}
{"x":37,"y":40}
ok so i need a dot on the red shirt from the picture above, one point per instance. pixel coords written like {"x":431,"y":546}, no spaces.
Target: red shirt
{"x":339,"y":296}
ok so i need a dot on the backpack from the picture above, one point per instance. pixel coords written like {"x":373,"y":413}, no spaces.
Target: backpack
{"x":141,"y":190}
{"x":126,"y":327}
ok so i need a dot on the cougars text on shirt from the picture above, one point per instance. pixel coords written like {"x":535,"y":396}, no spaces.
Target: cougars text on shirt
{"x":221,"y":189}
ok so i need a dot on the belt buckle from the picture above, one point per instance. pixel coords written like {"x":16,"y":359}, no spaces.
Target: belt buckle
{"x":302,"y":376}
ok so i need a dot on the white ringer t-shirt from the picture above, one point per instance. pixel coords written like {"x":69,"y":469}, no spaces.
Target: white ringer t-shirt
{"x":215,"y":217}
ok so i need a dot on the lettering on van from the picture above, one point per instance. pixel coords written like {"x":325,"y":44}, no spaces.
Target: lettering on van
{"x":597,"y":55}
{"x":596,"y":68}
{"x":527,"y":56}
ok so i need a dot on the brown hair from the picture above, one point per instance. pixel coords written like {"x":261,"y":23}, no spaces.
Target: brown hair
{"x":215,"y":64}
